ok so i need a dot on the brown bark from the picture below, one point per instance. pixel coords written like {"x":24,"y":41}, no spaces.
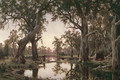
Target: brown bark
{"x":34,"y":49}
{"x":19,"y":58}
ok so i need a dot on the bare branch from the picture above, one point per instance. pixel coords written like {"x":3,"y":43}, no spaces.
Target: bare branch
{"x":109,"y":35}
{"x":117,"y":23}
{"x":38,"y":39}
{"x":113,"y":21}
{"x":95,"y":31}
{"x":117,"y":40}
{"x":74,"y":27}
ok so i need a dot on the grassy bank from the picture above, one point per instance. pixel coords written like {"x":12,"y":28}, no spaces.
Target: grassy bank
{"x":7,"y":69}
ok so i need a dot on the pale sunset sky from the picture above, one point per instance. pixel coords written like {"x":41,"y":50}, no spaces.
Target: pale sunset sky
{"x":55,"y":28}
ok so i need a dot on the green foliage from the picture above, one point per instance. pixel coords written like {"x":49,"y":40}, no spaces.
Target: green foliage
{"x":72,"y":39}
{"x":102,"y":74}
{"x":3,"y":68}
{"x":4,"y":52}
{"x":57,"y":44}
{"x":24,"y":11}
{"x":1,"y":54}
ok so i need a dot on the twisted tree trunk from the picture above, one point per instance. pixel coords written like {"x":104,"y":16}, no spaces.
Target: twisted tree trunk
{"x":19,"y":58}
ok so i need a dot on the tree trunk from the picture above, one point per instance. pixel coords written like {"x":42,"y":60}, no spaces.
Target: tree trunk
{"x":84,"y":41}
{"x":71,"y":53}
{"x":115,"y":53}
{"x":13,"y":49}
{"x":84,"y":31}
{"x":19,"y":58}
{"x":34,"y":49}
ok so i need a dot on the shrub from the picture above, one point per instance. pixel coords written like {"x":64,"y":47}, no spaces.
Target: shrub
{"x":2,"y":55}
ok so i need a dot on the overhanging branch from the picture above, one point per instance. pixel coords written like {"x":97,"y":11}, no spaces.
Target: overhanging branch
{"x":73,"y":22}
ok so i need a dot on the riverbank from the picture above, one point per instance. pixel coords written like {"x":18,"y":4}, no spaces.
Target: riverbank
{"x":8,"y":69}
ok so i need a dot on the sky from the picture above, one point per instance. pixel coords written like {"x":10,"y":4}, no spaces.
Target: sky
{"x":55,"y":28}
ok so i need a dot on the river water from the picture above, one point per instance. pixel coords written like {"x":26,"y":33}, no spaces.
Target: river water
{"x":68,"y":71}
{"x":55,"y":71}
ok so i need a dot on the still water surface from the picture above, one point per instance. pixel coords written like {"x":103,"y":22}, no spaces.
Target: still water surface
{"x":56,"y":71}
{"x":68,"y":71}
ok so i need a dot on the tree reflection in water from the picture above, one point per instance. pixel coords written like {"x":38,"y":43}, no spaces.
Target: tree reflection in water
{"x":58,"y":69}
{"x":116,"y":76}
{"x":80,"y":72}
{"x":35,"y":73}
{"x":70,"y":71}
{"x":104,"y":75}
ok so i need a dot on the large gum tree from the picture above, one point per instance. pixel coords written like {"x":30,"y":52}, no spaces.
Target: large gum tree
{"x":30,"y":14}
{"x":75,"y":13}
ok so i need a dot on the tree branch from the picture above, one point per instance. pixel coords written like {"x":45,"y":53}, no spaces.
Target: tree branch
{"x":92,"y":33}
{"x":117,"y":23}
{"x":113,"y":21}
{"x":37,"y":39}
{"x":73,"y":22}
{"x":74,"y":27}
{"x":109,"y":35}
{"x":117,"y":40}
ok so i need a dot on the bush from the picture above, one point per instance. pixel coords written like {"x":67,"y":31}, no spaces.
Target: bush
{"x":6,"y":50}
{"x":2,"y":55}
{"x":2,"y":68}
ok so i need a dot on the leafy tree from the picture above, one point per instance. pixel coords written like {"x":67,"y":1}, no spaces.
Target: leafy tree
{"x":6,"y":50}
{"x":1,"y":54}
{"x":72,"y":39}
{"x":75,"y":13}
{"x":1,"y":51}
{"x":13,"y":39}
{"x":30,"y":15}
{"x":57,"y":44}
